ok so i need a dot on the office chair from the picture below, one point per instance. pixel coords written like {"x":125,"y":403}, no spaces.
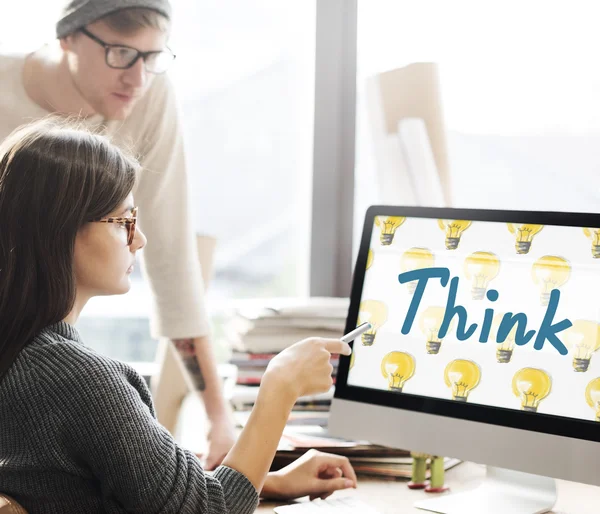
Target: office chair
{"x":10,"y":506}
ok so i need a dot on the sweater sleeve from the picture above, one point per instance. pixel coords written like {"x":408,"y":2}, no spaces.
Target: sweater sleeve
{"x":111,"y":430}
{"x":170,"y":257}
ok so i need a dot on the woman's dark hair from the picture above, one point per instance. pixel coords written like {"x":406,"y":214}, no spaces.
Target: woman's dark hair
{"x":54,"y":178}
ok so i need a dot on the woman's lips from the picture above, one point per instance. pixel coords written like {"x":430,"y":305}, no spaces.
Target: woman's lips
{"x":123,"y":98}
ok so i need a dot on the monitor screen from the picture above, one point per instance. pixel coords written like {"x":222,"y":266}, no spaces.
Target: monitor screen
{"x":483,"y":313}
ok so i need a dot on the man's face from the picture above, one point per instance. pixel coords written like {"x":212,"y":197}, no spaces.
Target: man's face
{"x":110,"y":92}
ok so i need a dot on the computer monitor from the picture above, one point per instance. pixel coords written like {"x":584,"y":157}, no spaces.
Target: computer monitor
{"x":485,"y":328}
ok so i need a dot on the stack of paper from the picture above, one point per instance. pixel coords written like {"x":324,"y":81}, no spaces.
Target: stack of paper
{"x":244,"y":397}
{"x":261,"y":328}
{"x":267,"y":326}
{"x":300,"y":435}
{"x":366,"y":459}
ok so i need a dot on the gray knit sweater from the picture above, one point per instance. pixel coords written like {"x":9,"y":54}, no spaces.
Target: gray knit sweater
{"x":78,"y":434}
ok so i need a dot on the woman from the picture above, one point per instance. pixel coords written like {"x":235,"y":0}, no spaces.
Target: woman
{"x":77,"y":430}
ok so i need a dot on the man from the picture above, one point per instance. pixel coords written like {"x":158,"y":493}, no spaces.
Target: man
{"x":108,"y":67}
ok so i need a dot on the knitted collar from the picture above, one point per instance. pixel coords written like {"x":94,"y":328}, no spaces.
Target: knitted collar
{"x":65,"y":330}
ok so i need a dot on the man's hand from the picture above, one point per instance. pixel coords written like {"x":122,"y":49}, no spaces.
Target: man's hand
{"x":221,"y":438}
{"x":198,"y":360}
{"x":315,"y":474}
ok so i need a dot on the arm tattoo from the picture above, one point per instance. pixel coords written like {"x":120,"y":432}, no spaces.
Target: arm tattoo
{"x":187,"y":351}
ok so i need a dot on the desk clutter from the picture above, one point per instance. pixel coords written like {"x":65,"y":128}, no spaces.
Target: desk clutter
{"x":268,"y":326}
{"x":258,"y":330}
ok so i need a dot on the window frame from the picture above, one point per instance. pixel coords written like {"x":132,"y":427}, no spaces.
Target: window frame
{"x":331,"y":256}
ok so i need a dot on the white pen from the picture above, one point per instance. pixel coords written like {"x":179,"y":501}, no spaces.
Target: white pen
{"x":361,"y":329}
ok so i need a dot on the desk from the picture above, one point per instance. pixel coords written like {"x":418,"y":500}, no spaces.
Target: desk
{"x":393,"y":497}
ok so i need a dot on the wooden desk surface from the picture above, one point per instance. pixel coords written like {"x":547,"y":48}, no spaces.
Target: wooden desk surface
{"x":392,"y":497}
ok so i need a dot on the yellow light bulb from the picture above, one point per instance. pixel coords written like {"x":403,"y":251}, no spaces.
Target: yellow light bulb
{"x":524,"y":235}
{"x":481,"y":268}
{"x":375,"y":313}
{"x":592,"y":396}
{"x":397,"y":367}
{"x":594,"y":235}
{"x":388,"y":227}
{"x":414,"y":259}
{"x":454,"y":230}
{"x":583,"y":339}
{"x":352,"y":359}
{"x":505,"y":349}
{"x":550,"y":272}
{"x":430,"y":321}
{"x":369,"y":259}
{"x":531,"y":385}
{"x":462,"y":376}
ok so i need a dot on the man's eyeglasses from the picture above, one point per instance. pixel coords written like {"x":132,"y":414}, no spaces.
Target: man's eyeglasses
{"x":124,"y":57}
{"x":130,"y":223}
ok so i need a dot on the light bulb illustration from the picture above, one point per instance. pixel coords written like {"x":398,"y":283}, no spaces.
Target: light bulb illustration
{"x":481,"y":268}
{"x":462,"y":376}
{"x":454,"y":230}
{"x":531,"y":385}
{"x":430,"y":321}
{"x":414,"y":259}
{"x":583,"y":339}
{"x":388,"y":226}
{"x":504,"y":350}
{"x":594,"y":235}
{"x":550,"y":272}
{"x":592,"y":396}
{"x":352,"y":359}
{"x":397,"y":367}
{"x":369,"y":259}
{"x":375,"y":313}
{"x":524,"y":235}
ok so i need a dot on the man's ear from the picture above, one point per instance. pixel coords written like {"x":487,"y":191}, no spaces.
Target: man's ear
{"x":66,"y":42}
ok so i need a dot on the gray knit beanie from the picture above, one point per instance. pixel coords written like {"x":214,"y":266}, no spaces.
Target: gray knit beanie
{"x":79,"y":13}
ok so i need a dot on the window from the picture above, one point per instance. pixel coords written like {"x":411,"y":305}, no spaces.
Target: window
{"x":519,"y":95}
{"x":245,"y":77}
{"x":246,"y":85}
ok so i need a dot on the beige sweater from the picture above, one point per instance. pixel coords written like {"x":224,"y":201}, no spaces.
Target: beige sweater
{"x":153,"y":133}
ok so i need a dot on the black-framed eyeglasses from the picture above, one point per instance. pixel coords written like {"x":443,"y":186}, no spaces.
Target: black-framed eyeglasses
{"x":123,"y":57}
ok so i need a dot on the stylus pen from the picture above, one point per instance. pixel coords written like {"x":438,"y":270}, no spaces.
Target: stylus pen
{"x":351,"y":336}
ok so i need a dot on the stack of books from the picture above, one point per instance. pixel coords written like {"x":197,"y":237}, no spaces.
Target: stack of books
{"x":269,"y":326}
{"x":303,"y":433}
{"x":311,"y":411}
{"x":252,"y":366}
{"x":258,"y":330}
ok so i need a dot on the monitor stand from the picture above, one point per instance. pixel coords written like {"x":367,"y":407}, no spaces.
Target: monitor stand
{"x":502,"y":491}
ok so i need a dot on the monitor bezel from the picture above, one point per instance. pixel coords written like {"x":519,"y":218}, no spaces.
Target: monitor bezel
{"x":550,"y":424}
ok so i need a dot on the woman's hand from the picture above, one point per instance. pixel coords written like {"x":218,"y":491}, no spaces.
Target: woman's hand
{"x":302,"y":369}
{"x":315,"y":474}
{"x":305,"y":367}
